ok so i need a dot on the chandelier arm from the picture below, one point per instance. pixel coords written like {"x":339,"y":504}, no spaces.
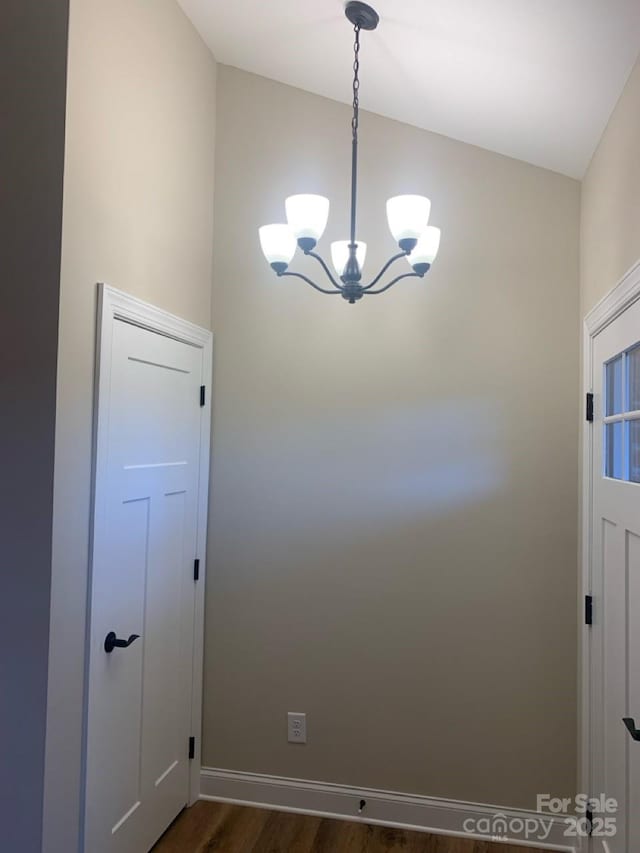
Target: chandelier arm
{"x":384,"y":269}
{"x":392,"y":282}
{"x":324,"y":266}
{"x":308,"y":281}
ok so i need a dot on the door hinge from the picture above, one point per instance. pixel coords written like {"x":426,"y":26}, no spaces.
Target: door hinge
{"x":192,"y":748}
{"x":196,"y":570}
{"x":589,"y":818}
{"x":588,"y":610}
{"x":589,"y":407}
{"x":203,"y":393}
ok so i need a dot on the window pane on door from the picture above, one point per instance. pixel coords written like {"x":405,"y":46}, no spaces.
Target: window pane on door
{"x":613,"y":434}
{"x":633,"y":362}
{"x":613,"y":386}
{"x":633,"y":444}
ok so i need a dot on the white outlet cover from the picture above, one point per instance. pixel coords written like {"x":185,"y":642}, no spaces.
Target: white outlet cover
{"x":296,"y":727}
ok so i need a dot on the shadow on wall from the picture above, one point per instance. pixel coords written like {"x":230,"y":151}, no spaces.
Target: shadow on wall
{"x":406,"y":466}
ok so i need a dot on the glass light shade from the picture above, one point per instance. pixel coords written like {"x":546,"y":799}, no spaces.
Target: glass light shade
{"x":427,"y":248}
{"x":340,"y":254}
{"x":307,"y":215}
{"x":278,"y":243}
{"x":408,"y":216}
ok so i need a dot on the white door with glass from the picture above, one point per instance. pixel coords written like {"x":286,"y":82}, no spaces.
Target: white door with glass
{"x":615,"y":560}
{"x":143,"y":593}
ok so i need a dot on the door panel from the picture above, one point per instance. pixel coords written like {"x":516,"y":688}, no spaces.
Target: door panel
{"x":616,"y":580}
{"x":145,"y":541}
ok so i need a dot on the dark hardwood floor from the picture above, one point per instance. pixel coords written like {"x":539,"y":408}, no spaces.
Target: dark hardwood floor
{"x":223,"y":828}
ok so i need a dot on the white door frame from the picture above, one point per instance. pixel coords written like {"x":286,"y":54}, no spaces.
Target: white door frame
{"x":623,"y":295}
{"x":114,"y":305}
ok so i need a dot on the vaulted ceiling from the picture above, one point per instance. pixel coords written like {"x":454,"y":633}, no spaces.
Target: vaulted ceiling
{"x":533,"y":79}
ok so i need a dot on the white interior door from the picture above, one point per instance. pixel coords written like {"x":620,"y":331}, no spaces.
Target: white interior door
{"x":616,"y":579}
{"x":148,"y":470}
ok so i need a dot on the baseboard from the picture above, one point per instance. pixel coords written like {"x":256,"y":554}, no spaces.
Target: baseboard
{"x":406,"y":811}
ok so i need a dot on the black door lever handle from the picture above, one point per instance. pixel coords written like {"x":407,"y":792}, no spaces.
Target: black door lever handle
{"x":631,"y":725}
{"x":111,"y":642}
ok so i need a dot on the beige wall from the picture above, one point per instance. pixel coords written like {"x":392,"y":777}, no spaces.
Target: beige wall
{"x":393,"y":526}
{"x":610,"y":235}
{"x":138,"y":214}
{"x":33,"y":63}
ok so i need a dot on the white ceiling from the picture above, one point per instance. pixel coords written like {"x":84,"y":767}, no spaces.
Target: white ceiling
{"x":533,"y":79}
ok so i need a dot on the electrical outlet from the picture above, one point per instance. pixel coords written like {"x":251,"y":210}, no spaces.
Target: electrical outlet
{"x":296,"y":727}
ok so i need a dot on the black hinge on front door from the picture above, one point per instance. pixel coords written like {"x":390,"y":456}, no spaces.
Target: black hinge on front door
{"x":588,"y":610}
{"x":589,"y":816}
{"x":203,"y":392}
{"x":192,"y":748}
{"x":196,"y":570}
{"x":589,"y":407}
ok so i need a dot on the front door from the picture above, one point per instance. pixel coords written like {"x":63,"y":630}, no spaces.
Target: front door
{"x":615,"y":531}
{"x":143,"y":591}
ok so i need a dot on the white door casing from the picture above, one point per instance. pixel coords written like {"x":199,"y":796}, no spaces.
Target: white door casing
{"x":149,"y":525}
{"x":611,"y":573}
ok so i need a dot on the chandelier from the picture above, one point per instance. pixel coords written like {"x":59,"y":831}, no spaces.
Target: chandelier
{"x":307,"y":216}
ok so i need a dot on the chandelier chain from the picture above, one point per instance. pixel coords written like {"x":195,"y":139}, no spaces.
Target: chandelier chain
{"x":356,"y":83}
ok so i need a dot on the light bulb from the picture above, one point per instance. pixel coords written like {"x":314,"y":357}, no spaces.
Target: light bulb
{"x":408,"y":216}
{"x":426,"y":250}
{"x":278,"y":245}
{"x":340,"y":254}
{"x":307,"y":216}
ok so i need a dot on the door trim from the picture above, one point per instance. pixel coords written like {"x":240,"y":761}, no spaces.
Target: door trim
{"x":610,"y":307}
{"x":114,"y":305}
